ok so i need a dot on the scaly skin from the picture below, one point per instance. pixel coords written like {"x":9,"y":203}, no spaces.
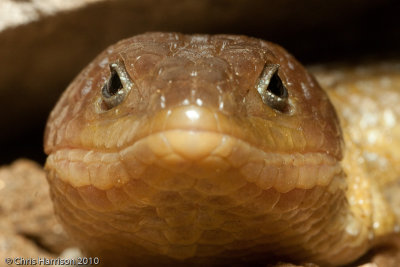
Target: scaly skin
{"x":193,"y":164}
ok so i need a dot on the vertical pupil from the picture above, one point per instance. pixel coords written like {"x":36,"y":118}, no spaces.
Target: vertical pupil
{"x":275,"y":86}
{"x":114,"y":84}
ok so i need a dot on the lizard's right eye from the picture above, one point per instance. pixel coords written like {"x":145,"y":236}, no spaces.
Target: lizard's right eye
{"x":117,"y":87}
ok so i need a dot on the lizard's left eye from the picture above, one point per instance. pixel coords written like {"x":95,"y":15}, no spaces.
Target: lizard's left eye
{"x":271,"y":88}
{"x":117,"y":87}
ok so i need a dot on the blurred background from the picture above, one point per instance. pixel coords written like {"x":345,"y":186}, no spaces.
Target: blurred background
{"x":45,"y":43}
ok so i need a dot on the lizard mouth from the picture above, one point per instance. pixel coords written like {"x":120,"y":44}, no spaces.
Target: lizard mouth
{"x":192,"y":147}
